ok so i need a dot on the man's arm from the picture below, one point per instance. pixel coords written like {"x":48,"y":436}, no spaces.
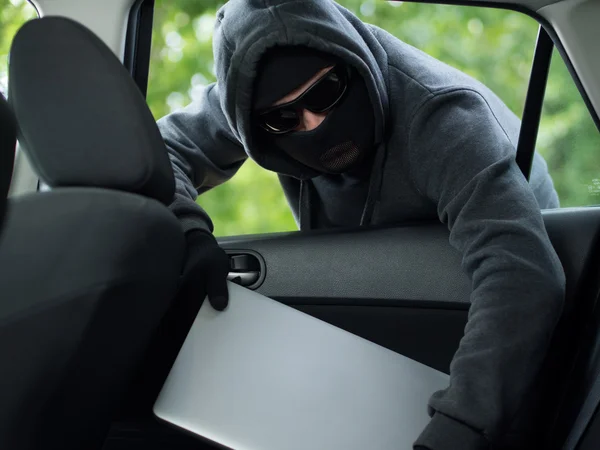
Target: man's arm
{"x":462,"y":159}
{"x":203,"y":152}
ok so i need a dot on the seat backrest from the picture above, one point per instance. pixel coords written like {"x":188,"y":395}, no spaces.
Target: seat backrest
{"x":8,"y":141}
{"x":90,"y":267}
{"x":82,"y":119}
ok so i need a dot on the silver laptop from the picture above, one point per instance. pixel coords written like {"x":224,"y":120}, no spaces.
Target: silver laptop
{"x":263,"y":376}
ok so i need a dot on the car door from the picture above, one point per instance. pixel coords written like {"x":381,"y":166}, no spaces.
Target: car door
{"x":401,"y":287}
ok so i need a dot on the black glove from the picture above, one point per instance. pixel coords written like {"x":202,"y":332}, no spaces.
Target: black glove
{"x":205,"y":271}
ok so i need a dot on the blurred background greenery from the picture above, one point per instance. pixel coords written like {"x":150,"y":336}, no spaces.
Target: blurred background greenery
{"x":494,"y":46}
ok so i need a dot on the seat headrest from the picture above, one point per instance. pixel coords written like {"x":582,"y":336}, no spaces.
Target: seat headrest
{"x":8,"y":143}
{"x":82,"y":119}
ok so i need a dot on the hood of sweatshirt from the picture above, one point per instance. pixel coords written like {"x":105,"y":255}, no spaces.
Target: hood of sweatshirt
{"x":246,"y":29}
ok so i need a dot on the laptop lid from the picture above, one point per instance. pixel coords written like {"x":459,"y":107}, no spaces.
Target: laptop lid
{"x":263,"y":376}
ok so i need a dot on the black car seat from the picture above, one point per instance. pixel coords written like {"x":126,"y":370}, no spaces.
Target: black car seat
{"x":88,"y":269}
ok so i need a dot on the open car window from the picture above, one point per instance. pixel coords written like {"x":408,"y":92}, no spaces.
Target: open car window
{"x":492,"y":45}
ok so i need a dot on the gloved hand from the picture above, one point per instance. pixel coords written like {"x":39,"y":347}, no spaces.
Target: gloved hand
{"x":205,"y":271}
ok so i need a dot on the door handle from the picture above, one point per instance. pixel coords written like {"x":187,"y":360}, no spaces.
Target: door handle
{"x":247,"y":268}
{"x":243,"y":278}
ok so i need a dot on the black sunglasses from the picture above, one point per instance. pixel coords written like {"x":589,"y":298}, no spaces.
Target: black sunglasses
{"x":323,"y":95}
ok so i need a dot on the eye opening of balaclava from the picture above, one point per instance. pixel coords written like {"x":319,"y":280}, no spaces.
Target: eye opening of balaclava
{"x":283,"y":69}
{"x":345,"y":137}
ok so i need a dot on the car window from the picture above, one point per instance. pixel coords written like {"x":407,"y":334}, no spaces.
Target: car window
{"x":569,"y":140}
{"x":492,"y":45}
{"x":13,"y":14}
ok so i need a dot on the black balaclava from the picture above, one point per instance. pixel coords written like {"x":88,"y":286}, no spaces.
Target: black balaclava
{"x":346,"y":136}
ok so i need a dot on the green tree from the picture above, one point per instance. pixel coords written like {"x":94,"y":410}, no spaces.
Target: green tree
{"x":13,"y":14}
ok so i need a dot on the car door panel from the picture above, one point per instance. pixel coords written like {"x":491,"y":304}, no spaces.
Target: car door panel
{"x":402,"y":287}
{"x":385,"y":265}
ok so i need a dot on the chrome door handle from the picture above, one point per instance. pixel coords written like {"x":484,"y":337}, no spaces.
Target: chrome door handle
{"x":243,"y":278}
{"x":247,"y":268}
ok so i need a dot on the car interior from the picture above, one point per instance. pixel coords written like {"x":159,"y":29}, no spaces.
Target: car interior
{"x":81,"y":262}
{"x":90,"y":319}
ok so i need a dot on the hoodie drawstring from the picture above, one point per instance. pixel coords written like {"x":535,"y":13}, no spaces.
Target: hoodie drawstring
{"x":375,"y":181}
{"x":304,"y":206}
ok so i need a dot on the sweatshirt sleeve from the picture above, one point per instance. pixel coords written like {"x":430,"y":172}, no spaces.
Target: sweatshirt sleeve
{"x":463,"y":160}
{"x":203,"y":152}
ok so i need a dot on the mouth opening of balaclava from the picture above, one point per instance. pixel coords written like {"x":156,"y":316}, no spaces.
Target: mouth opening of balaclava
{"x":344,"y":139}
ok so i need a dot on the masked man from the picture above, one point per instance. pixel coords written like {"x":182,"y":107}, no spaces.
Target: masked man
{"x":364,"y":129}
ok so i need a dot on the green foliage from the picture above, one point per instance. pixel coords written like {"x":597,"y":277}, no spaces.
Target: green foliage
{"x":13,"y":13}
{"x":494,"y":46}
{"x":569,"y":140}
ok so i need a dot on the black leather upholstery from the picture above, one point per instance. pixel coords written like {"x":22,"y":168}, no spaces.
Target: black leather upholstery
{"x":8,"y":141}
{"x":87,"y":275}
{"x":63,"y":78}
{"x":87,"y":272}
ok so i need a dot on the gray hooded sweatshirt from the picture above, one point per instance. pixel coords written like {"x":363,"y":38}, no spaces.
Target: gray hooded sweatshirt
{"x":445,"y":147}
